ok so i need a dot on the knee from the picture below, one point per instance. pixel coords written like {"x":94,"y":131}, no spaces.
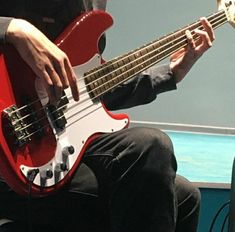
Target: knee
{"x":196,"y":198}
{"x":157,"y":148}
{"x":160,"y":144}
{"x":188,"y":204}
{"x":188,"y":195}
{"x":151,"y":138}
{"x":148,"y":151}
{"x":159,"y":140}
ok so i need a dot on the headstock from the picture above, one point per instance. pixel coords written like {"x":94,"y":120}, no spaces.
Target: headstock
{"x":229,"y":7}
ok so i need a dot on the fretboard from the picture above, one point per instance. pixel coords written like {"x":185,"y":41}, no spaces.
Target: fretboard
{"x":115,"y":72}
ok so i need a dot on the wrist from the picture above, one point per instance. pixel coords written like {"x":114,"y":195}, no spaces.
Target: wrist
{"x":4,"y":23}
{"x":180,"y":71}
{"x":16,"y":29}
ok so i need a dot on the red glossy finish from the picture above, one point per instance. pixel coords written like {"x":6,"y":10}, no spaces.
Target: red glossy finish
{"x":80,"y":42}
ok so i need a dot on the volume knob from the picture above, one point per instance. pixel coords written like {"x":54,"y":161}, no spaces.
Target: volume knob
{"x":61,"y":167}
{"x":47,"y":174}
{"x":69,"y":150}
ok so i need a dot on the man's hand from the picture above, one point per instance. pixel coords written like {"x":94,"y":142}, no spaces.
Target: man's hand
{"x":46,"y":60}
{"x":185,"y":58}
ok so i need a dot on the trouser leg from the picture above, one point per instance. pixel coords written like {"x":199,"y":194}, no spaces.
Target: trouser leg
{"x":188,"y":201}
{"x":135,"y":169}
{"x":140,"y":166}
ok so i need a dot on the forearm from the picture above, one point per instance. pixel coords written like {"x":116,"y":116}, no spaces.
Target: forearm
{"x":4,"y":23}
{"x":142,"y":89}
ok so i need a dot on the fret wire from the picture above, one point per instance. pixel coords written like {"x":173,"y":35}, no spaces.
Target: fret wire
{"x":119,"y":58}
{"x":116,"y":80}
{"x":154,"y":51}
{"x":163,"y":57}
{"x":100,"y":68}
{"x":217,"y":25}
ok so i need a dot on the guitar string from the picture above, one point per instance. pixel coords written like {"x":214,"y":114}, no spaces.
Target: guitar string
{"x":145,"y":47}
{"x":145,"y":61}
{"x":96,"y":97}
{"x":109,"y":64}
{"x":40,"y":119}
{"x":149,"y":65}
{"x":65,"y":96}
{"x":83,"y":116}
{"x":55,"y":120}
{"x":105,"y":66}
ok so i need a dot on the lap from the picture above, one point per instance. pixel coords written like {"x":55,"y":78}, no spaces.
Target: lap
{"x":184,"y":188}
{"x":77,"y":207}
{"x":69,"y":207}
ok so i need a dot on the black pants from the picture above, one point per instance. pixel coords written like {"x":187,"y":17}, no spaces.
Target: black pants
{"x":138,"y":191}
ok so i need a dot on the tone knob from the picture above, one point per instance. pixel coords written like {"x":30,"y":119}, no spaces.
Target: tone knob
{"x":69,"y":150}
{"x":47,"y":174}
{"x":61,"y":167}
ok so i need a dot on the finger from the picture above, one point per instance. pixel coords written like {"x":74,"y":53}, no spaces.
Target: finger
{"x":49,"y":88}
{"x":44,"y":75}
{"x":61,"y":72}
{"x":72,"y":80}
{"x":55,"y":94}
{"x":179,"y":53}
{"x":190,"y":40}
{"x":54,"y":77}
{"x":208,"y":28}
{"x":55,"y":90}
{"x":205,"y":41}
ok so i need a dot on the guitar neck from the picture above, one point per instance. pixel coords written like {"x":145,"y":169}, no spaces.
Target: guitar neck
{"x":114,"y":72}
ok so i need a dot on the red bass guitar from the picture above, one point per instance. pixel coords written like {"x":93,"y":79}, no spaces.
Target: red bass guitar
{"x":48,"y":142}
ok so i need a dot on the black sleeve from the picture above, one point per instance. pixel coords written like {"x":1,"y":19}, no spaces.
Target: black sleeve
{"x":141,"y":89}
{"x":4,"y":23}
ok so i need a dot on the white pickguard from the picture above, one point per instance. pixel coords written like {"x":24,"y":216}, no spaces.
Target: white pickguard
{"x":84,"y":118}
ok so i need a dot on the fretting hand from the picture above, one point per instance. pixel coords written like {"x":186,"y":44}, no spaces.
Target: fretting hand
{"x":185,"y":58}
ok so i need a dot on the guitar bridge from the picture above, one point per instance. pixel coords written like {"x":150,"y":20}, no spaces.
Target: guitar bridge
{"x":22,"y":123}
{"x":16,"y":126}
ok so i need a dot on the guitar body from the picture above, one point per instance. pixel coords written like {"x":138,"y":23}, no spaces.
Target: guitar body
{"x":31,"y":137}
{"x":36,"y":137}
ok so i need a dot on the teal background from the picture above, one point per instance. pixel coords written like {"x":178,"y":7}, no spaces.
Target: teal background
{"x":201,"y":157}
{"x":212,"y":200}
{"x":206,"y":96}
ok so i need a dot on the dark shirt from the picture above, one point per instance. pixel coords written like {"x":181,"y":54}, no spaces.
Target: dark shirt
{"x":50,"y":16}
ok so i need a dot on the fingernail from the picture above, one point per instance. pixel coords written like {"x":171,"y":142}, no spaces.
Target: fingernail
{"x":189,"y":35}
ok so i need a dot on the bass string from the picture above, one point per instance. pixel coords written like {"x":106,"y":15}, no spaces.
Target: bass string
{"x":214,"y":22}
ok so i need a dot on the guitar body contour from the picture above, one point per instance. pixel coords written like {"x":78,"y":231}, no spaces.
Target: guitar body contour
{"x":32,"y":137}
{"x":38,"y":137}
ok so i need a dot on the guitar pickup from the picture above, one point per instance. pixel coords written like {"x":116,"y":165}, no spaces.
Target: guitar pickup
{"x":57,"y":117}
{"x":56,"y":113}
